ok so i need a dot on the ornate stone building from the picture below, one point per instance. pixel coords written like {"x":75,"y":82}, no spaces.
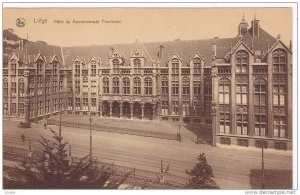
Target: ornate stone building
{"x":240,"y":87}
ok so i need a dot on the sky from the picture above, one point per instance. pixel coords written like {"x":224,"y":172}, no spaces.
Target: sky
{"x":144,"y":24}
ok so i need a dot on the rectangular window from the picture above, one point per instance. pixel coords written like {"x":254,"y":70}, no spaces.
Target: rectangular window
{"x":165,"y":107}
{"x":175,"y":88}
{"x":242,"y":124}
{"x":175,"y":107}
{"x":197,"y":88}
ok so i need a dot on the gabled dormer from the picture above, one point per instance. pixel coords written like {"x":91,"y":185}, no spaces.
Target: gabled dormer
{"x":116,"y":60}
{"x":196,"y":63}
{"x":77,"y":65}
{"x":137,"y":60}
{"x":175,"y":63}
{"x":241,"y":45}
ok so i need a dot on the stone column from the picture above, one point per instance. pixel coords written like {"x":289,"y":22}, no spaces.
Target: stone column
{"x":143,"y":107}
{"x":110,"y":109}
{"x":121,"y":109}
{"x":100,"y":109}
{"x":26,"y":83}
{"x":131,"y":110}
{"x":154,"y":111}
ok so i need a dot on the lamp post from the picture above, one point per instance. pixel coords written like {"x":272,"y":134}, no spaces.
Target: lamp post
{"x":262,"y":165}
{"x":90,"y":135}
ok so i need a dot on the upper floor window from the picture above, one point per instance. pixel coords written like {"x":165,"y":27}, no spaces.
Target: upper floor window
{"x":105,"y":85}
{"x":137,"y":65}
{"x":93,"y":68}
{"x":197,"y":65}
{"x":224,"y":91}
{"x":116,"y":63}
{"x":13,"y":65}
{"x":21,"y":87}
{"x":241,"y":62}
{"x":126,"y":85}
{"x":55,"y":66}
{"x":137,"y":85}
{"x":77,"y":67}
{"x":279,"y":61}
{"x":260,"y":93}
{"x":175,"y":66}
{"x":185,"y":86}
{"x":116,"y":85}
{"x":5,"y":87}
{"x":164,"y":86}
{"x":148,"y":86}
{"x":39,"y":65}
{"x":279,"y":77}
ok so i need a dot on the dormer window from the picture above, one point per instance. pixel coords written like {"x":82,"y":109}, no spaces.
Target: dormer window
{"x":93,"y":67}
{"x":77,"y":67}
{"x":137,"y":65}
{"x":197,"y":65}
{"x":39,"y":66}
{"x":13,"y":65}
{"x":54,"y":66}
{"x":116,"y":63}
{"x":175,"y":66}
{"x":241,"y":62}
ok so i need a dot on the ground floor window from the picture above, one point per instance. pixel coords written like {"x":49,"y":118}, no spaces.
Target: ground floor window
{"x":164,"y":107}
{"x":280,"y":126}
{"x":242,"y":124}
{"x":175,"y":107}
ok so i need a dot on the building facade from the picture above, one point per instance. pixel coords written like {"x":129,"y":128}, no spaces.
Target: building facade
{"x":240,"y":87}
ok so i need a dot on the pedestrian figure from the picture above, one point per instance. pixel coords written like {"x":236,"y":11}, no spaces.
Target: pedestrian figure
{"x":23,"y":137}
{"x":45,"y":125}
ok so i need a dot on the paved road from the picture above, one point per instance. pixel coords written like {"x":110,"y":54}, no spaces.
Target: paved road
{"x":230,"y":166}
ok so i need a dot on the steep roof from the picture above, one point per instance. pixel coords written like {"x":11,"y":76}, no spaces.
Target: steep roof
{"x":184,"y":48}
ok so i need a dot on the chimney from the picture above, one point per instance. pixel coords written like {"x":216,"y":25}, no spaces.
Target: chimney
{"x":255,"y":27}
{"x":111,"y":51}
{"x":214,"y":50}
{"x":160,"y":54}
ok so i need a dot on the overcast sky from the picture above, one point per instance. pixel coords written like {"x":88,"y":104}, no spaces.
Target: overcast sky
{"x":144,"y":24}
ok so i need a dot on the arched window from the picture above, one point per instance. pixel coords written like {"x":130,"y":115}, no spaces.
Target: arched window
{"x":93,"y":67}
{"x":175,"y":66}
{"x":148,"y":86}
{"x":126,"y":85}
{"x":85,"y":85}
{"x":137,"y":85}
{"x":207,"y":95}
{"x":260,"y":107}
{"x":5,"y":97}
{"x":185,"y":86}
{"x":197,"y":65}
{"x":21,"y":87}
{"x":39,"y":65}
{"x":55,"y":66}
{"x":116,"y":63}
{"x":5,"y":87}
{"x":137,"y":65}
{"x":116,"y":85}
{"x":224,"y":101}
{"x":280,"y":92}
{"x":241,"y":62}
{"x":105,"y":85}
{"x":77,"y":67}
{"x":164,"y":86}
{"x":13,"y":65}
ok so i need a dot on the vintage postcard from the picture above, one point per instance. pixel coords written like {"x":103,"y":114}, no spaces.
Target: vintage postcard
{"x":148,"y":97}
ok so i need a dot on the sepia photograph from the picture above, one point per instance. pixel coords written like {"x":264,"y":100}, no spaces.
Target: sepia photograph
{"x":144,"y":98}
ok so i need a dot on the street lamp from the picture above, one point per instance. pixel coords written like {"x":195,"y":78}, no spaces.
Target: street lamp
{"x":90,"y":135}
{"x":262,"y":165}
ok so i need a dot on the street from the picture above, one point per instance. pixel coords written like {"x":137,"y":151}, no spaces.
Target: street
{"x":232,"y":168}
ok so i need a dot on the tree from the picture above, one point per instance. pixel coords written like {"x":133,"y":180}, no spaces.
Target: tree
{"x":52,"y":168}
{"x":201,"y":175}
